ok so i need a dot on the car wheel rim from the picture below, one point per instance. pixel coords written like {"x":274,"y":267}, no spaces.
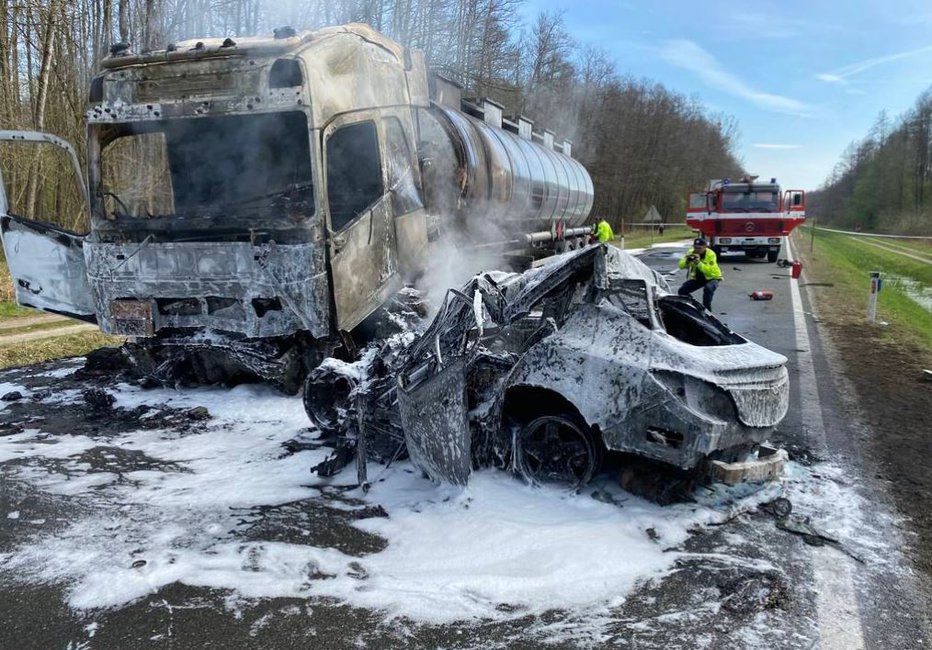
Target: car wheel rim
{"x":554,"y":449}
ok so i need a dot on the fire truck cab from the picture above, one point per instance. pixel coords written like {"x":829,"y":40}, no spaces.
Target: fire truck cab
{"x":746,"y":215}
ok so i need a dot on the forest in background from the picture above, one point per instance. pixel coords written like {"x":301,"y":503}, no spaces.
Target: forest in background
{"x":642,"y":143}
{"x":883,"y":183}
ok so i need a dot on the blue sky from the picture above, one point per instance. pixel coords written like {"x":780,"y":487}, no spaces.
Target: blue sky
{"x":803,"y":79}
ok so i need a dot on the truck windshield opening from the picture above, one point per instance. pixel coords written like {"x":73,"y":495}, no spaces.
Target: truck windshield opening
{"x":754,"y":201}
{"x":219,"y":166}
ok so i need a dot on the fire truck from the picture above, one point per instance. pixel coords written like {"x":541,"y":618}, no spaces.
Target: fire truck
{"x":746,"y":215}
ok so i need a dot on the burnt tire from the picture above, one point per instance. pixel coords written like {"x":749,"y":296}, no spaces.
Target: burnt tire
{"x":557,"y":450}
{"x":327,"y":400}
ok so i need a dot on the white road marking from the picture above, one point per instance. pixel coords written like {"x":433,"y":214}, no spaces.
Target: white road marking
{"x":836,"y":601}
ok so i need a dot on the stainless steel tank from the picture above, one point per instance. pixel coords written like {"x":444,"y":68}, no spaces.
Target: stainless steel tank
{"x":490,"y":178}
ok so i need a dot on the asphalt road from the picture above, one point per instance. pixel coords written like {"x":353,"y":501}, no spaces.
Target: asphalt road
{"x":856,"y":605}
{"x":861,"y":594}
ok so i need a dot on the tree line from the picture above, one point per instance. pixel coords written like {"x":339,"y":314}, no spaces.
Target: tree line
{"x":883,"y":182}
{"x":642,"y":143}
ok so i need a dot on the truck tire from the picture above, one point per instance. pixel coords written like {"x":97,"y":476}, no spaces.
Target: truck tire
{"x":327,"y":400}
{"x":772,"y":255}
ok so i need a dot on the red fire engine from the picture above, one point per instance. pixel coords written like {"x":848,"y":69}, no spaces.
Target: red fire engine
{"x":746,"y":215}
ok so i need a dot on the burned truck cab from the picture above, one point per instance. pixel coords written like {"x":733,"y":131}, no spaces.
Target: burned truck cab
{"x":224,"y":175}
{"x":251,"y":197}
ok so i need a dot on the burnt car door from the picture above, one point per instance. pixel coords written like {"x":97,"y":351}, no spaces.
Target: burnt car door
{"x":361,"y":232}
{"x":45,"y":258}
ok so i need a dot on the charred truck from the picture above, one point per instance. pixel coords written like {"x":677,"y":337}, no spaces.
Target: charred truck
{"x":252,"y":202}
{"x":747,"y":216}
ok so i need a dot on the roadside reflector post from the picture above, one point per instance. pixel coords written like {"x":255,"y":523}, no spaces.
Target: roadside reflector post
{"x":876,"y":284}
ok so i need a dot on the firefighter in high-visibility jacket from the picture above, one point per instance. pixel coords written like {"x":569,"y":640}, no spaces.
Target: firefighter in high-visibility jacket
{"x":603,"y":232}
{"x":702,"y":272}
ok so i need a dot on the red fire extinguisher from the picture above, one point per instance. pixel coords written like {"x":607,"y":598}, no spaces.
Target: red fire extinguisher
{"x":796,"y":269}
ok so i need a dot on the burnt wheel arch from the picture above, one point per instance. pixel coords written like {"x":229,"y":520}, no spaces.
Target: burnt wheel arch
{"x":522,"y":410}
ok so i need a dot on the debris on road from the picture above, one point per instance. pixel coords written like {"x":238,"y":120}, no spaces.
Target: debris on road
{"x":198,"y":413}
{"x":762,"y":294}
{"x":779,"y":507}
{"x":812,"y":535}
{"x":766,"y":465}
{"x":10,"y":429}
{"x":754,"y":593}
{"x":98,"y":400}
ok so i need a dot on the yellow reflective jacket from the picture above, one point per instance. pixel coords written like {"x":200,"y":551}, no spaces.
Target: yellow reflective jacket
{"x":707,"y":265}
{"x":603,"y":232}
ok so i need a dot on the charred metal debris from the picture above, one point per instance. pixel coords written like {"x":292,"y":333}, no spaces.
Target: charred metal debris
{"x":547,"y":371}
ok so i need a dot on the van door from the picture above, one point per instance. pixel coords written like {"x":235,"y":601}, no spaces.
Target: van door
{"x":45,"y":260}
{"x":361,"y":233}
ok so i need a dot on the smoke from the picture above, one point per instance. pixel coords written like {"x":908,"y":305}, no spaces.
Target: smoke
{"x":469,"y":241}
{"x":452,"y":260}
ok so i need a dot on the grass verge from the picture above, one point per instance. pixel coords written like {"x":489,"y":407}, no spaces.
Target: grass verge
{"x":920,"y":246}
{"x":847,"y":261}
{"x":12,"y":310}
{"x":35,"y":327}
{"x":883,"y":365}
{"x":8,"y":306}
{"x":57,"y":347}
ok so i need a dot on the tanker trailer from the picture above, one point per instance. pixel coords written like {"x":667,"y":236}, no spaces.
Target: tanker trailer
{"x":253,"y":201}
{"x":496,"y":185}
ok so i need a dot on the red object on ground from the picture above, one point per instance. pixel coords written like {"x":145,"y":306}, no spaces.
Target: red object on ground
{"x":796,"y":269}
{"x":762,"y":294}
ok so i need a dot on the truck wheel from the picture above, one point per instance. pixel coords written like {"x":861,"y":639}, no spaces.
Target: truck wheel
{"x":557,"y":450}
{"x":772,"y":255}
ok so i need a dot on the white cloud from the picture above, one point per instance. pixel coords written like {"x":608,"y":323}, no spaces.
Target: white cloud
{"x":762,"y":145}
{"x":691,"y":56}
{"x":841,"y":75}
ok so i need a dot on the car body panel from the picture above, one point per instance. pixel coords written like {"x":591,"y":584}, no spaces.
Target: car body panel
{"x":602,"y":345}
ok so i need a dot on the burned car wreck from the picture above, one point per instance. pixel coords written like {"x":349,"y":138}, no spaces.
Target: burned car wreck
{"x":544,"y":372}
